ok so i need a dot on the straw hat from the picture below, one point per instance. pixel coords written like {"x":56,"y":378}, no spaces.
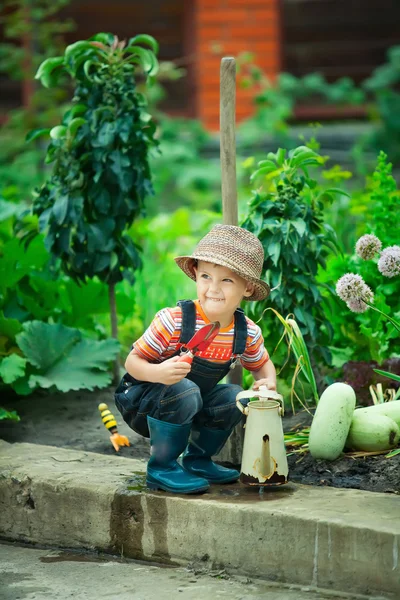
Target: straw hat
{"x":235,"y":248}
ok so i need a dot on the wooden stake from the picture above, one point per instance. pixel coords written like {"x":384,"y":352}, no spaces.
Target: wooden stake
{"x":228,"y":140}
{"x":232,"y":451}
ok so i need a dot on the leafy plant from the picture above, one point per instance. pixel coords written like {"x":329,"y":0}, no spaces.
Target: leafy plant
{"x":296,"y":344}
{"x":367,"y":335}
{"x":101,"y":174}
{"x":59,"y":356}
{"x":286,"y":213}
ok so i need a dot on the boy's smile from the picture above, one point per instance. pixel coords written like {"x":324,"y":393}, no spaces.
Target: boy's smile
{"x":220,"y":291}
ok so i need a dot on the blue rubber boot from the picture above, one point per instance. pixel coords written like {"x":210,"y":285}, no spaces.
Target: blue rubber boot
{"x":203,"y":444}
{"x":167,"y":442}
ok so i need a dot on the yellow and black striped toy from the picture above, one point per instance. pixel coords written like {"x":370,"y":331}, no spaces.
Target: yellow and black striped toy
{"x":110,"y":423}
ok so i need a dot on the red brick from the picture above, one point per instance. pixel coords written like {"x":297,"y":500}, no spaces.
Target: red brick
{"x":215,"y":32}
{"x":223,"y":16}
{"x":256,"y":32}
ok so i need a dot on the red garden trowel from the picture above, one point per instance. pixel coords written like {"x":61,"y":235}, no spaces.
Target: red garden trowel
{"x":200,"y":341}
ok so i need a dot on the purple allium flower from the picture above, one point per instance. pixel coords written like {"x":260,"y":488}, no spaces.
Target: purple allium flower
{"x":389,"y":261}
{"x":367,"y":246}
{"x":352,"y":287}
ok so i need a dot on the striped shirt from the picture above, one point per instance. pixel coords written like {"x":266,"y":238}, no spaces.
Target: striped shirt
{"x":161,"y":338}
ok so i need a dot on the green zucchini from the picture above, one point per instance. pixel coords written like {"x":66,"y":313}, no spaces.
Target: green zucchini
{"x":388,"y":409}
{"x":372,"y":432}
{"x":331,"y":422}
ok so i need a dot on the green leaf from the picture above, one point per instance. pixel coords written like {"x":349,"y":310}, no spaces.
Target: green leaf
{"x":36,"y":133}
{"x":114,"y":260}
{"x":21,"y":386}
{"x":58,"y":132}
{"x":79,"y":369}
{"x":104,"y":38}
{"x":12,"y":367}
{"x":145,"y":58}
{"x":63,"y":359}
{"x":280,"y":156}
{"x":46,"y":70}
{"x":146,"y":40}
{"x":60,"y":208}
{"x":86,"y":67}
{"x":78,"y":109}
{"x":73,"y":51}
{"x":6,"y":414}
{"x":300,"y":226}
{"x":43,"y":344}
{"x":387,"y":374}
{"x":9,"y":327}
{"x":274,"y":251}
{"x":74,"y":125}
{"x":105,"y":135}
{"x":263,"y":171}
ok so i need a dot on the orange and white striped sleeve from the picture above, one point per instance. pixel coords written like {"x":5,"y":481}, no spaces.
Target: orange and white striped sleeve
{"x":157,"y":337}
{"x":255,"y":354}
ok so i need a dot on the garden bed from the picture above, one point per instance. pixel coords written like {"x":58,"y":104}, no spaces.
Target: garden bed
{"x":73,"y":421}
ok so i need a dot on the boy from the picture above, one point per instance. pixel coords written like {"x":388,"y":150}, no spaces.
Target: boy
{"x":168,"y":400}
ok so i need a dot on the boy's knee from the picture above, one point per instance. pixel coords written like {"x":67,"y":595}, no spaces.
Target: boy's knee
{"x":183,"y":401}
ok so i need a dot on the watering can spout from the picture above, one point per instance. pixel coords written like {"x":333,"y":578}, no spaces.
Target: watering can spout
{"x":265,"y":458}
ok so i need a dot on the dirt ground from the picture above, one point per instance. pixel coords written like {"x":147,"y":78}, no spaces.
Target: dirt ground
{"x":73,"y":421}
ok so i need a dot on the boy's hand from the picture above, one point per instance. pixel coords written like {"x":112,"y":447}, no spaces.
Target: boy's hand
{"x":172,"y":371}
{"x":268,"y":382}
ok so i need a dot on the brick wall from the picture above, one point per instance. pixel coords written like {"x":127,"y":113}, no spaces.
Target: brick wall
{"x":228,"y":28}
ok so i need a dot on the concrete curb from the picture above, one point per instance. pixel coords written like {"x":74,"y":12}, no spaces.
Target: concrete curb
{"x":345,"y":540}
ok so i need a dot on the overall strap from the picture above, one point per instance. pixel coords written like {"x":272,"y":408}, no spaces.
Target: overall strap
{"x":188,"y":320}
{"x":240,"y":338}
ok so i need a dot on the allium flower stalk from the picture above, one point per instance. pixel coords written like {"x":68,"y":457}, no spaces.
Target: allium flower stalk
{"x":367,"y":246}
{"x":389,"y":261}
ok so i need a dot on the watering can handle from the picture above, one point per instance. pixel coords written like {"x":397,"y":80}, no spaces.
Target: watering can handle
{"x":263,"y":392}
{"x":243,"y":409}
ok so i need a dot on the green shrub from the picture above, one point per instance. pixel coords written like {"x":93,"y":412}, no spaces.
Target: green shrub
{"x":286,"y":213}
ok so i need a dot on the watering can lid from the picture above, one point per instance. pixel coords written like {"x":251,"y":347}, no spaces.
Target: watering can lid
{"x":262,"y":392}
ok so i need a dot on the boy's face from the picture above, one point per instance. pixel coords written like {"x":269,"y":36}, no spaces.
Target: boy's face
{"x":220,"y":291}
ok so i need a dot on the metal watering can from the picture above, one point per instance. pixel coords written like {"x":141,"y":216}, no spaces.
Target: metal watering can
{"x":264,"y":461}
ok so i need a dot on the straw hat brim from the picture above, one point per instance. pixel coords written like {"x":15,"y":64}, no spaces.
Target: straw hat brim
{"x":186,"y":263}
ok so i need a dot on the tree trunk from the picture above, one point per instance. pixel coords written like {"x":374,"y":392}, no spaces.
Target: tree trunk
{"x":114,"y":329}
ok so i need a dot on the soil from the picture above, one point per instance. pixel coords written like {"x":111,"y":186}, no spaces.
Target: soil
{"x":72,"y":420}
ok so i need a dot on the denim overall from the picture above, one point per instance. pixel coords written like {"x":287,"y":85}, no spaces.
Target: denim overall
{"x":197,"y":398}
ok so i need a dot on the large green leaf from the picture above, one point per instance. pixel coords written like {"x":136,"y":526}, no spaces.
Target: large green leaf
{"x":44,"y":344}
{"x":12,"y":368}
{"x":80,"y":368}
{"x":63,"y":359}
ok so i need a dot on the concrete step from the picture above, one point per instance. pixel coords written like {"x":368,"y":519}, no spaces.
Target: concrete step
{"x":344,"y":540}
